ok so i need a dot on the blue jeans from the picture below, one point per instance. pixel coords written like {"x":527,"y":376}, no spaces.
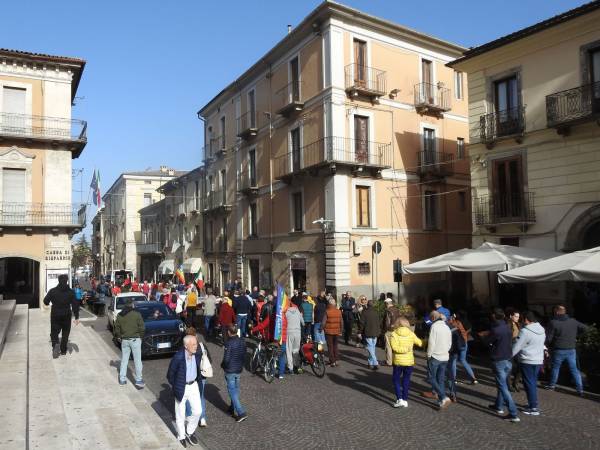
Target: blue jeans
{"x":233,"y":387}
{"x":318,"y":333}
{"x":371,"y":344}
{"x":558,"y":357}
{"x":242,"y":320}
{"x":282,"y":359}
{"x":437,"y":375}
{"x":530,"y":376}
{"x":462,"y":358}
{"x":208,"y":325}
{"x":129,"y":346}
{"x":501,"y":373}
{"x":452,"y":373}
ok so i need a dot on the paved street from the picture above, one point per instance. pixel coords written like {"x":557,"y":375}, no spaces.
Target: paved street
{"x":351,"y":408}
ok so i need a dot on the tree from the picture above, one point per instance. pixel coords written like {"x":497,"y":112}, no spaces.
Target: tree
{"x":82,"y":253}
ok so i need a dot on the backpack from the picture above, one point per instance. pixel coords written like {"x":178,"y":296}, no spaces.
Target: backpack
{"x":458,"y":343}
{"x":266,"y":310}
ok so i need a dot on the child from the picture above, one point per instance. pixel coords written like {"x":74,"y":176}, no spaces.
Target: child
{"x":402,"y":342}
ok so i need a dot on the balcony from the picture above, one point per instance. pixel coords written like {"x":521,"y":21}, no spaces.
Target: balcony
{"x":497,"y":209}
{"x":217,"y":146}
{"x":247,"y":183}
{"x":44,"y":129}
{"x":332,"y":152}
{"x":435,"y":164}
{"x":573,"y":106}
{"x":153,"y":248}
{"x":431,"y":98}
{"x":54,"y":215}
{"x":247,"y":125}
{"x":288,"y":99}
{"x":365,"y":81}
{"x":181,"y":210}
{"x":216,"y":201}
{"x":503,"y":124}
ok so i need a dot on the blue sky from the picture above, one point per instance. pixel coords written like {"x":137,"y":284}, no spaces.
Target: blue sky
{"x":152,"y":64}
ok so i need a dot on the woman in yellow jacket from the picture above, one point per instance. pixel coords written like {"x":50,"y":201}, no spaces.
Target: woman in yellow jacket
{"x":402,"y":342}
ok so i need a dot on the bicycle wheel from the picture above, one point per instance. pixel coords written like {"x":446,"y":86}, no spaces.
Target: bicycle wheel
{"x":254,"y":361}
{"x":318,"y":365}
{"x":270,"y":370}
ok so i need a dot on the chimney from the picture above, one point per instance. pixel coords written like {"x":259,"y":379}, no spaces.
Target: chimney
{"x":171,"y":172}
{"x":289,"y":29}
{"x":163,"y":169}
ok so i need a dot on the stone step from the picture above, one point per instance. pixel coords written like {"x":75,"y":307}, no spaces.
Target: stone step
{"x":13,"y":382}
{"x":7,"y":310}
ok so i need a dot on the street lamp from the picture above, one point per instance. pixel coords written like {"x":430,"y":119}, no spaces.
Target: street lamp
{"x":325,"y":226}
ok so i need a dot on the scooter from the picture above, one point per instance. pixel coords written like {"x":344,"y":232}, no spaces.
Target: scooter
{"x":312,"y":354}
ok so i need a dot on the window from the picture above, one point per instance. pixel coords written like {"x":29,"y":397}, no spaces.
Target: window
{"x":363,"y":206}
{"x":431,"y":210}
{"x":460,"y":148}
{"x":147,"y":181}
{"x":364,"y":268}
{"x":458,"y":85}
{"x":429,"y":146}
{"x":252,"y":167}
{"x":196,"y":232}
{"x":196,"y":195}
{"x":147,"y":199}
{"x":361,"y":139}
{"x":252,"y":109}
{"x":462,"y":201}
{"x":426,"y":71}
{"x":297,"y":211}
{"x":13,"y":185}
{"x":507,"y":187}
{"x":210,"y":236}
{"x":13,"y":101}
{"x":360,"y":63}
{"x":223,"y":132}
{"x":224,"y":235}
{"x":506,"y":101}
{"x":294,"y":91}
{"x":295,"y":143}
{"x":252,"y":224}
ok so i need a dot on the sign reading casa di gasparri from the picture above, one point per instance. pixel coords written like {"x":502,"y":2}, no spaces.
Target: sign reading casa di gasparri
{"x":58,"y":255}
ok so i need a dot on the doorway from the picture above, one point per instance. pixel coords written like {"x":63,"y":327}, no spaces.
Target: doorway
{"x":298,"y":266}
{"x":20,"y":280}
{"x":254,"y":269}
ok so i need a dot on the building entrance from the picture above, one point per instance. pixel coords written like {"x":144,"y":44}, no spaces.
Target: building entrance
{"x":20,"y":280}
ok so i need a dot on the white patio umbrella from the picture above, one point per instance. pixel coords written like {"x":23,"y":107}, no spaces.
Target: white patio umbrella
{"x":488,"y":257}
{"x":583,"y":265}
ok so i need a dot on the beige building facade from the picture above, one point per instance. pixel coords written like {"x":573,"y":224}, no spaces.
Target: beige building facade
{"x":351,"y":130}
{"x":534,"y":104}
{"x":38,"y":140}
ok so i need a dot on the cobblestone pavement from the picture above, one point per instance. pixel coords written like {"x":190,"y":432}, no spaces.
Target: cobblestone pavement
{"x":351,"y":408}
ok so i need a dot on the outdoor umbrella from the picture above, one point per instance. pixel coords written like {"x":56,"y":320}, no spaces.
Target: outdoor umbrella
{"x":488,"y":257}
{"x":583,"y":265}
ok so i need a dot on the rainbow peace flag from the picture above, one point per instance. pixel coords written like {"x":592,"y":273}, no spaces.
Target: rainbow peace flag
{"x":280,"y":308}
{"x":180,"y":276}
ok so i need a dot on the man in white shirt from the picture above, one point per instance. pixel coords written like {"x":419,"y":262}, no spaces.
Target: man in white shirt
{"x":438,"y":348}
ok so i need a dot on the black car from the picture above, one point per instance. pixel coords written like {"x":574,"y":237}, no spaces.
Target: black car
{"x":164,"y":330}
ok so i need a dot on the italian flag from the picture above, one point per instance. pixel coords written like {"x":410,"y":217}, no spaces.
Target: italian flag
{"x":199,"y":280}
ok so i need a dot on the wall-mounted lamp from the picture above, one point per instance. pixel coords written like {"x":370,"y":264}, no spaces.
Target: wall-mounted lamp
{"x":394,"y":93}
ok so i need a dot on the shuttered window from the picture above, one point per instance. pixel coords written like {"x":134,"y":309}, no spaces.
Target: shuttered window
{"x":13,"y":100}
{"x":13,"y":185}
{"x":363,"y":206}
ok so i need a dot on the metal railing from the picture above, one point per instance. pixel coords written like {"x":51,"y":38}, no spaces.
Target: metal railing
{"x":42,"y":127}
{"x":148,"y":248}
{"x":216,"y":199}
{"x":247,"y":122}
{"x":429,"y":95}
{"x":573,"y":104}
{"x":502,"y":123}
{"x":500,"y":209}
{"x":217,"y":144}
{"x":42,"y":214}
{"x":435,"y":163}
{"x":247,"y":180}
{"x":334,"y":150}
{"x":366,"y":80}
{"x":289,"y":94}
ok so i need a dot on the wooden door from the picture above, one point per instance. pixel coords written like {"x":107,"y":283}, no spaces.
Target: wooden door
{"x":360,"y":63}
{"x":361,"y":139}
{"x":295,"y":76}
{"x":507,"y":187}
{"x":296,"y":156}
{"x":427,"y":93}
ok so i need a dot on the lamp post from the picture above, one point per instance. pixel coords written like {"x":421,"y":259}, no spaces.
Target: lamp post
{"x":325,"y":226}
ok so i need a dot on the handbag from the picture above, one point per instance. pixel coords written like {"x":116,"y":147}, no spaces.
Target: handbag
{"x":206,"y":369}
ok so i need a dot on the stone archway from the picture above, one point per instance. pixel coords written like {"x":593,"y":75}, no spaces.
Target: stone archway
{"x":585,"y":231}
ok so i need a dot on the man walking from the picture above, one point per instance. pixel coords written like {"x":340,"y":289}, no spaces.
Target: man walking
{"x":348,"y":306}
{"x":184,"y":377}
{"x":438,"y":354}
{"x":63,"y":302}
{"x":232,"y":365}
{"x":499,"y":340}
{"x":561,"y":338}
{"x":308,"y":315}
{"x":295,"y":323}
{"x":210,"y":308}
{"x":371,"y":329}
{"x":391,"y":316}
{"x":529,"y":346}
{"x":243,"y":308}
{"x":129,"y":328}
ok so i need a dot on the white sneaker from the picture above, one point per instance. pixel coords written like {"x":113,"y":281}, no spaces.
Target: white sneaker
{"x":398,"y":403}
{"x":405,"y":403}
{"x":202,"y":422}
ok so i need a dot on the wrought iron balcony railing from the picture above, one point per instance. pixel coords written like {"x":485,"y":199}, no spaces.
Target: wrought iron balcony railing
{"x":288,"y":99}
{"x":366,"y":81}
{"x":573,"y":105}
{"x":247,"y":125}
{"x":335,"y":150}
{"x":498,"y":209}
{"x":509,"y":122}
{"x":439,"y":164}
{"x":43,"y":128}
{"x":149,"y":248}
{"x":42,"y":214}
{"x":431,"y":97}
{"x":217,"y":144}
{"x":216,"y":200}
{"x":247,"y":181}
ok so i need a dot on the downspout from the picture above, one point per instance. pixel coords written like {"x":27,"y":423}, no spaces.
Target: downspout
{"x":271,"y":172}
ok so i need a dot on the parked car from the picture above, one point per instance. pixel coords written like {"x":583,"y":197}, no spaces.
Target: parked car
{"x":164,"y":331}
{"x":118,"y":302}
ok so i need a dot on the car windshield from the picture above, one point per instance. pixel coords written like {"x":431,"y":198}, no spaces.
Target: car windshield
{"x":156,"y":311}
{"x":136,"y":298}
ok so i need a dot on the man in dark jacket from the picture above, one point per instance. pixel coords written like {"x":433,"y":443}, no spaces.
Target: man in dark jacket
{"x":243,"y":309}
{"x":561,"y":338}
{"x":63,"y":301}
{"x":130,"y":328}
{"x":499,"y":340}
{"x":371,"y":328}
{"x":233,"y":363}
{"x":348,"y":304}
{"x":184,"y":376}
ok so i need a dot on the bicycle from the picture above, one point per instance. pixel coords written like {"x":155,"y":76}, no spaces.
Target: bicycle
{"x":259,"y":357}
{"x":272,"y":364}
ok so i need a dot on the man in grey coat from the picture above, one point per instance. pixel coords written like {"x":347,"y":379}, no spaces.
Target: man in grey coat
{"x":295,"y":323}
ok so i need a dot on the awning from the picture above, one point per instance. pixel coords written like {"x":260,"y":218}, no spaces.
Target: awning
{"x":166,"y":267}
{"x":583,"y":265}
{"x":488,"y":257}
{"x":191,"y":265}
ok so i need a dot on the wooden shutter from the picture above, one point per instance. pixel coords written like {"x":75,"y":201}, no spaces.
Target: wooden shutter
{"x":360,"y":62}
{"x":13,"y":185}
{"x":361,"y":139}
{"x":13,"y":100}
{"x":363,"y":206}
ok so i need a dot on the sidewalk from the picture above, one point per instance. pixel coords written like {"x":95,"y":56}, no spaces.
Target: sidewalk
{"x":75,"y":401}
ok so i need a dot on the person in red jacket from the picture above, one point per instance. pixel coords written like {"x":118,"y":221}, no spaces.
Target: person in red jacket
{"x":265,"y":327}
{"x":170,"y":299}
{"x":226,"y":317}
{"x":135,"y":286}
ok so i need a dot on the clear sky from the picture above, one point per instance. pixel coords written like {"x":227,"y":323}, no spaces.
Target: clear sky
{"x":152,"y":64}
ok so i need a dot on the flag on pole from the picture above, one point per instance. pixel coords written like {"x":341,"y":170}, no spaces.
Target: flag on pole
{"x":180,"y":276}
{"x":280,"y":308}
{"x":199,"y":280}
{"x":95,"y":185}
